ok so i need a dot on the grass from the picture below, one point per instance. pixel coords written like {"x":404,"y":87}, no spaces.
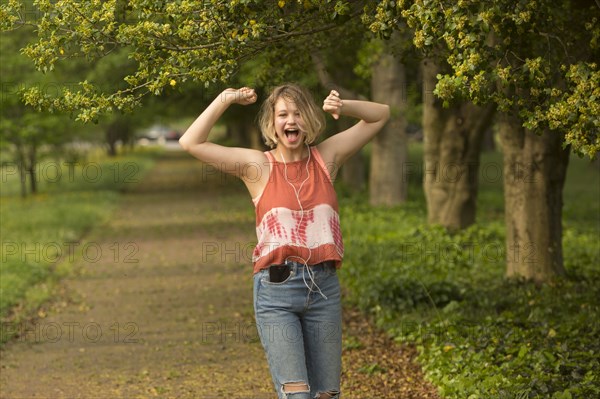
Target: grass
{"x":480,"y":335}
{"x":42,"y":233}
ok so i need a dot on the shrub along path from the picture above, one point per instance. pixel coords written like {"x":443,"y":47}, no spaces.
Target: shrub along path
{"x":161,"y":306}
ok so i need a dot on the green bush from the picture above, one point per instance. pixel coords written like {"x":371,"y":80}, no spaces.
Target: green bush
{"x":480,"y":335}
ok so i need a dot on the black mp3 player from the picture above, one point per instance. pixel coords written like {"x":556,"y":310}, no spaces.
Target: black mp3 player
{"x":279,"y":273}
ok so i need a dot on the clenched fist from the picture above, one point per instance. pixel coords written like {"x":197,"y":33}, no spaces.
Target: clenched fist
{"x":333,"y":104}
{"x":243,"y":96}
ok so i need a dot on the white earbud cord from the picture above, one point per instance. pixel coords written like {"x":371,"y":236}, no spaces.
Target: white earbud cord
{"x":297,"y":193}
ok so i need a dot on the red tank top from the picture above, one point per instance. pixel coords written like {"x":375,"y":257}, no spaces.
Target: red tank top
{"x":308,"y":233}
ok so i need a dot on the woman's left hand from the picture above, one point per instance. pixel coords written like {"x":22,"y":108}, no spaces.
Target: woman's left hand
{"x":333,"y":104}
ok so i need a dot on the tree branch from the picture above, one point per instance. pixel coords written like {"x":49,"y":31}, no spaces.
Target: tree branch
{"x":328,"y":82}
{"x":548,"y":36}
{"x":273,"y":39}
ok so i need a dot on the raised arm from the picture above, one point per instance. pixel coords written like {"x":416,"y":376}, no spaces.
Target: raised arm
{"x":227,"y":159}
{"x":339,"y":147}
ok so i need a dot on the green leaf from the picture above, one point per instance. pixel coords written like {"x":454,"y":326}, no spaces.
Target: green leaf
{"x":523,"y":351}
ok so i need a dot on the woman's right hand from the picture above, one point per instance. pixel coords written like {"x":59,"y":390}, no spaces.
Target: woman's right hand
{"x":243,"y":96}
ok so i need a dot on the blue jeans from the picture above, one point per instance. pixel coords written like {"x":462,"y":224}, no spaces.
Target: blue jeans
{"x":299,"y":322}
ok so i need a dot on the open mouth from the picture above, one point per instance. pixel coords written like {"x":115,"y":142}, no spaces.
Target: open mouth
{"x":292,"y":134}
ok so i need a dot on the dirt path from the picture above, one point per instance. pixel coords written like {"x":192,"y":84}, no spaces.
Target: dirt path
{"x":162,"y":307}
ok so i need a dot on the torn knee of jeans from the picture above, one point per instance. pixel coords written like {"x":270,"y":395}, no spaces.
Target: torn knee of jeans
{"x":295,"y":387}
{"x":328,"y":395}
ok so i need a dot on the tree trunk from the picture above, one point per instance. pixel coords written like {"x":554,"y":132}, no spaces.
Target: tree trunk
{"x":22,"y":168}
{"x":452,"y":146}
{"x":488,"y":144}
{"x":23,"y":178}
{"x":119,"y":129}
{"x":238,"y":132}
{"x":112,"y":135}
{"x":535,"y":168}
{"x":256,"y":141}
{"x":388,"y":180}
{"x":32,"y":162}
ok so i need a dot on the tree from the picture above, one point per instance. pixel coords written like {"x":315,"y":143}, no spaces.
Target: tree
{"x":388,"y":180}
{"x":535,"y":62}
{"x":453,"y":138}
{"x":111,"y":70}
{"x":452,"y":135}
{"x":24,"y":132}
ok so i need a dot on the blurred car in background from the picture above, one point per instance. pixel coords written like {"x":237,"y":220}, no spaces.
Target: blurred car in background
{"x":157,"y":134}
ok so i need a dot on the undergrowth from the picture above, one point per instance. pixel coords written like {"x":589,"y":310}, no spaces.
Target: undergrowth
{"x":479,"y":334}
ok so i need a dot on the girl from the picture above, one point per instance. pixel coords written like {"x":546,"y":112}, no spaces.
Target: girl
{"x":296,"y":289}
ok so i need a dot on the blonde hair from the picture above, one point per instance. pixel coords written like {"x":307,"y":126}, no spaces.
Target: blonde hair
{"x":312,"y":116}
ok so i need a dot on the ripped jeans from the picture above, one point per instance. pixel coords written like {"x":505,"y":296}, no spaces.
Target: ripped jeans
{"x":299,"y":322}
